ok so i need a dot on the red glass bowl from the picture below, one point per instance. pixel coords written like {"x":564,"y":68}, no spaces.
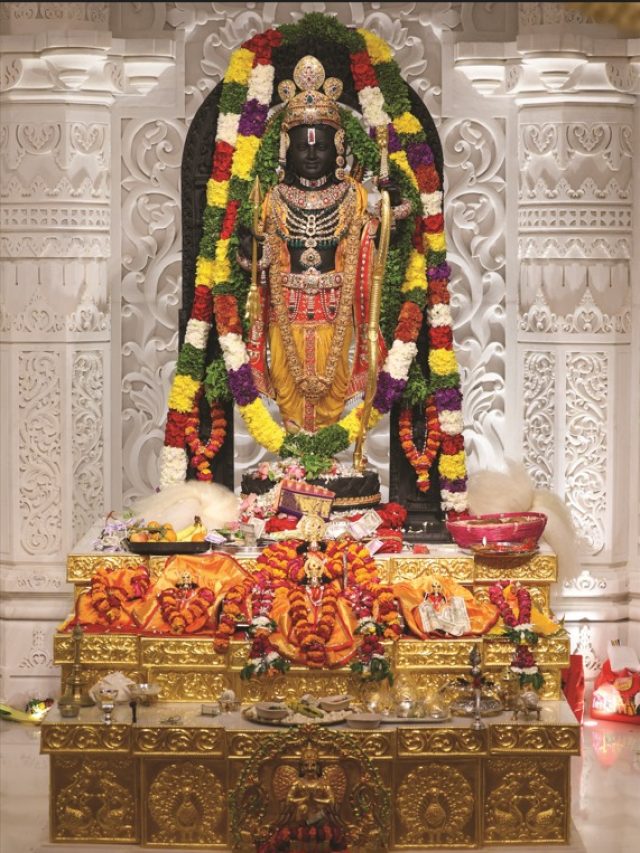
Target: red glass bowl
{"x":505,"y":527}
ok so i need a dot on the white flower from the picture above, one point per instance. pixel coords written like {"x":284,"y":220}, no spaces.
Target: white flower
{"x":272,"y":656}
{"x":440,"y":315}
{"x":451,"y":423}
{"x":197,"y":333}
{"x":261,"y":84}
{"x":399,"y":359}
{"x":456,"y":501}
{"x":261,"y":622}
{"x":228,"y":128}
{"x":173,"y":466}
{"x":372,"y":103}
{"x":431,"y":203}
{"x":525,"y":626}
{"x":234,"y":351}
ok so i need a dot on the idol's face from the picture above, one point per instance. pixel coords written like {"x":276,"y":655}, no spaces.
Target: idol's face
{"x":312,"y":151}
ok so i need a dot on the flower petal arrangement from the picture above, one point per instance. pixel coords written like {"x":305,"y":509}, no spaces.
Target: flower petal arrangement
{"x":415,"y":288}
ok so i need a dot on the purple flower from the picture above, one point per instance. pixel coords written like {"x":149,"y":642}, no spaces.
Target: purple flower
{"x":253,"y":118}
{"x":453,"y":485}
{"x":449,"y":399}
{"x":441,"y":271}
{"x":419,"y":154}
{"x":387,"y":392}
{"x":394,"y":140}
{"x":242,"y":386}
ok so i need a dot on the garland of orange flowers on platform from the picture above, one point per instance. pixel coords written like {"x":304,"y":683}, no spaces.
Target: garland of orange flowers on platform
{"x":108,"y":600}
{"x":421,"y":460}
{"x":181,"y":616}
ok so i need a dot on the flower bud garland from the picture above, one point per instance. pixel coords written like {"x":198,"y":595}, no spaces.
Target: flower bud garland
{"x":182,"y":614}
{"x":518,"y":629}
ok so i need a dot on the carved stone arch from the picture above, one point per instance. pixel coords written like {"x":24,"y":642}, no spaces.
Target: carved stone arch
{"x":196,"y":170}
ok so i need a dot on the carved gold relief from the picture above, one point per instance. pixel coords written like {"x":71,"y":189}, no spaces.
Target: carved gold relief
{"x":535,"y":739}
{"x":178,"y":651}
{"x":408,"y":568}
{"x":187,"y":686}
{"x":185,"y":802}
{"x":433,"y":654}
{"x":435,"y":806}
{"x":294,"y":685}
{"x":93,"y":800}
{"x":549,"y":651}
{"x":74,"y":737}
{"x":185,"y":740}
{"x":526,"y":800}
{"x":112,"y":649}
{"x":92,"y":676}
{"x":82,"y":567}
{"x":440,"y":742}
{"x":541,"y":567}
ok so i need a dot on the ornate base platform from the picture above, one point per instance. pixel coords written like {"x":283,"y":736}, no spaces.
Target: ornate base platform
{"x":175,"y":784}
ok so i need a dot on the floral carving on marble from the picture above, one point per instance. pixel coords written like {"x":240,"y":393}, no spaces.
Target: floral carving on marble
{"x":87,"y":417}
{"x":539,"y":416}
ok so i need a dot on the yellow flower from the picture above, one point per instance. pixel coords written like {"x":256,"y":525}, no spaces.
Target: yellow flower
{"x":352,"y":421}
{"x":246,"y":147}
{"x":416,"y":272}
{"x":204,"y":271}
{"x":222,"y":249}
{"x":442,"y":361}
{"x":435,"y":242}
{"x":217,"y":193}
{"x":262,"y":426}
{"x":453,"y":467}
{"x":407,"y":123}
{"x":183,"y":392}
{"x":221,"y":271}
{"x":378,"y":50}
{"x":240,"y":66}
{"x":400,"y":159}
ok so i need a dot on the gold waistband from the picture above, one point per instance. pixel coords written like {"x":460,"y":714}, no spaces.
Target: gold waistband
{"x":311,"y":281}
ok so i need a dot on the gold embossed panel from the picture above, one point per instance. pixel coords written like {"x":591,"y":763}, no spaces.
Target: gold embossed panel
{"x":535,"y":739}
{"x":433,"y":654}
{"x":437,"y":804}
{"x":93,"y":800}
{"x":82,"y":567}
{"x":440,"y":741}
{"x":97,"y":649}
{"x":549,"y":651}
{"x":182,"y":741}
{"x":460,"y":569}
{"x":184,"y":803}
{"x":178,"y":652}
{"x":526,"y":800}
{"x":540,"y":567}
{"x":190,"y":686}
{"x":86,"y":737}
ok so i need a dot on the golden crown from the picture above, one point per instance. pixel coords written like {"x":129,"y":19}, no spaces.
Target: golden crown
{"x":316,"y":102}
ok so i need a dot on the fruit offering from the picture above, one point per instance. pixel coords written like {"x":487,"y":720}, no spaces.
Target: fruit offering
{"x":155,"y":531}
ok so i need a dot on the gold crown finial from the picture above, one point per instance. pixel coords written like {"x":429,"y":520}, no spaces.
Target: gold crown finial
{"x":316,"y":102}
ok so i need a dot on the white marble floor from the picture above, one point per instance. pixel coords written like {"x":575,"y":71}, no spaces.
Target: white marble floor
{"x":606,"y":793}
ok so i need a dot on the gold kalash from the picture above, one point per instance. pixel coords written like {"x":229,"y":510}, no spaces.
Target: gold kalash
{"x":191,"y":783}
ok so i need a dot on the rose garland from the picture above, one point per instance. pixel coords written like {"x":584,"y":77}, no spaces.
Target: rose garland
{"x":421,"y":460}
{"x":518,"y":629}
{"x":219,"y":286}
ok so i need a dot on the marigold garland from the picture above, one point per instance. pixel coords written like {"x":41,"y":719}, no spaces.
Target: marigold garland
{"x":421,"y":460}
{"x":242,"y":148}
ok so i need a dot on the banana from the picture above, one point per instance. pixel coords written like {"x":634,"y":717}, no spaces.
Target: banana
{"x":9,"y":713}
{"x":195,"y":529}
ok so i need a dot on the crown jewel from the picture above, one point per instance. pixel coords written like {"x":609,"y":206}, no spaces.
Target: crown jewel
{"x":310,"y":105}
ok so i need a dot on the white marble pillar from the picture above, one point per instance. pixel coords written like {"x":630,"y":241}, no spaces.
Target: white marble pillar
{"x":575,"y":91}
{"x":61,"y":75}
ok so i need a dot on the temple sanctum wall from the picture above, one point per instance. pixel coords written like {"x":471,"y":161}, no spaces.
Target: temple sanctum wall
{"x":537,"y":111}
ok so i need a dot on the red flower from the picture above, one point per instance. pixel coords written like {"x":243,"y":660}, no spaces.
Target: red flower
{"x":222,"y":161}
{"x":363,"y":72}
{"x":227,"y":318}
{"x":434,"y":224}
{"x":202,"y":308}
{"x":441,"y":337}
{"x":409,"y":322}
{"x":438,"y":291}
{"x":452,"y":444}
{"x":427,"y":177}
{"x":229,"y":220}
{"x":174,"y":431}
{"x":417,"y":239}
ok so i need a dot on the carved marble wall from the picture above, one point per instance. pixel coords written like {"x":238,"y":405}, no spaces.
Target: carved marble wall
{"x":537,"y":111}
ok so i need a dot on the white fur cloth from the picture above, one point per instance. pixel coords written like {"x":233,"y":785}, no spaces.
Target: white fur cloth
{"x":178,"y":504}
{"x":513,"y":490}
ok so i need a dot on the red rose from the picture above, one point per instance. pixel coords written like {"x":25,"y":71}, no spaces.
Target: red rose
{"x":174,"y":434}
{"x":229,"y":221}
{"x":434,"y":224}
{"x":362,"y":70}
{"x":222,"y":161}
{"x":440,"y":337}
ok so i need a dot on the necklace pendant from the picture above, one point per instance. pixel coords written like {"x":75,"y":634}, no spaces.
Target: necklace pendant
{"x":310,"y":257}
